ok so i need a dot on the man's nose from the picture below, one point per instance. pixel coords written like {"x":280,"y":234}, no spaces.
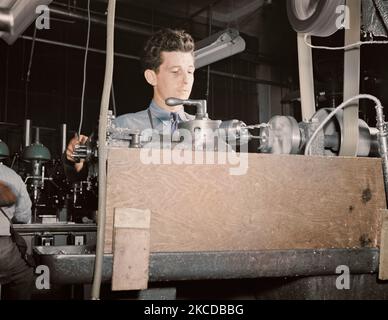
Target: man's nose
{"x":186,"y":78}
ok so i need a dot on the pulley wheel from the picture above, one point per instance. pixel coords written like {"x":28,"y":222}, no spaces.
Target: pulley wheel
{"x":314,"y":17}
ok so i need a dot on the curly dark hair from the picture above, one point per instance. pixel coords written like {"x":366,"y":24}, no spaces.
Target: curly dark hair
{"x":165,"y":40}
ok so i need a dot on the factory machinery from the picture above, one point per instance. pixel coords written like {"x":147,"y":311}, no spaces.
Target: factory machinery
{"x":326,"y":132}
{"x":281,"y":135}
{"x":59,"y":205}
{"x":63,"y":211}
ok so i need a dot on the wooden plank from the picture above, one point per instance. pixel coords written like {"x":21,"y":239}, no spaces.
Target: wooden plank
{"x":131,"y":249}
{"x":383,"y":267}
{"x":283,"y":202}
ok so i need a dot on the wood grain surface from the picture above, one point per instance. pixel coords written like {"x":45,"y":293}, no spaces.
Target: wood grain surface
{"x":283,"y":202}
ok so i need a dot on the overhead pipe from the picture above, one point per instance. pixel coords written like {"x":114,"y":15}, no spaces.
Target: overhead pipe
{"x":73,"y":46}
{"x":132,"y":57}
{"x":93,"y":18}
{"x":102,"y":15}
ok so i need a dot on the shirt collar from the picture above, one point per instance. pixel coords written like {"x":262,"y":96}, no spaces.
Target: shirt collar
{"x":164,"y":115}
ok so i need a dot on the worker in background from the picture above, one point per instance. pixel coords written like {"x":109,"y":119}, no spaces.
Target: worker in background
{"x":16,"y":275}
{"x":168,"y":64}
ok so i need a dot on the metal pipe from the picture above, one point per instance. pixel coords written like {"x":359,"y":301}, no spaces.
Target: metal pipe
{"x":127,"y":56}
{"x":250,"y":79}
{"x":383,"y":134}
{"x":6,"y":86}
{"x":63,"y":137}
{"x":27,"y":133}
{"x":102,"y":15}
{"x":118,"y":25}
{"x":8,"y":124}
{"x":37,"y":134}
{"x":102,"y":156}
{"x":68,"y":45}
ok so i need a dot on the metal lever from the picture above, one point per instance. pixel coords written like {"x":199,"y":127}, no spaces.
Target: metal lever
{"x":200,"y":104}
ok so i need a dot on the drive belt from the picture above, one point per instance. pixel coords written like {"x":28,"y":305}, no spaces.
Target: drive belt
{"x":350,"y":134}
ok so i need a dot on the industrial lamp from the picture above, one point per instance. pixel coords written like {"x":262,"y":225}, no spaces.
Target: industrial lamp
{"x":217,"y":47}
{"x":16,"y":16}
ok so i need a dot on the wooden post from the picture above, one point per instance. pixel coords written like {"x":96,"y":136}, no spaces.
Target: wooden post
{"x":131,"y":249}
{"x":383,"y":269}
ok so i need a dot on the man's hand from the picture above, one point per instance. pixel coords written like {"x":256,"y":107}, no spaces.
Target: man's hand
{"x":70,"y":150}
{"x":7,"y":197}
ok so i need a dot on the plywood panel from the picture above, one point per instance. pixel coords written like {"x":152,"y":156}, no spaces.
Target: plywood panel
{"x":283,"y":202}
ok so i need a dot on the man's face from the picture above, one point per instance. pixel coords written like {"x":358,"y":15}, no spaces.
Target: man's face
{"x":175,"y":77}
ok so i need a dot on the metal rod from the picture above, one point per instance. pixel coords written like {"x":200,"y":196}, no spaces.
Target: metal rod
{"x":6,"y":86}
{"x":210,"y":18}
{"x":37,"y":134}
{"x":63,"y":137}
{"x":27,"y":133}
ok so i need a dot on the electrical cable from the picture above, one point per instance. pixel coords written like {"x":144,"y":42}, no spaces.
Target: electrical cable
{"x":28,"y":76}
{"x":84,"y":75}
{"x":348,"y":47}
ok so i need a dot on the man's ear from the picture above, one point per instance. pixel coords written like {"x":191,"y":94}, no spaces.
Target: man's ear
{"x":150,"y":76}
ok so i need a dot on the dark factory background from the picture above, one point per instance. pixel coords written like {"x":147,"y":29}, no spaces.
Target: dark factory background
{"x":43,"y":82}
{"x":51,"y":94}
{"x":41,"y":79}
